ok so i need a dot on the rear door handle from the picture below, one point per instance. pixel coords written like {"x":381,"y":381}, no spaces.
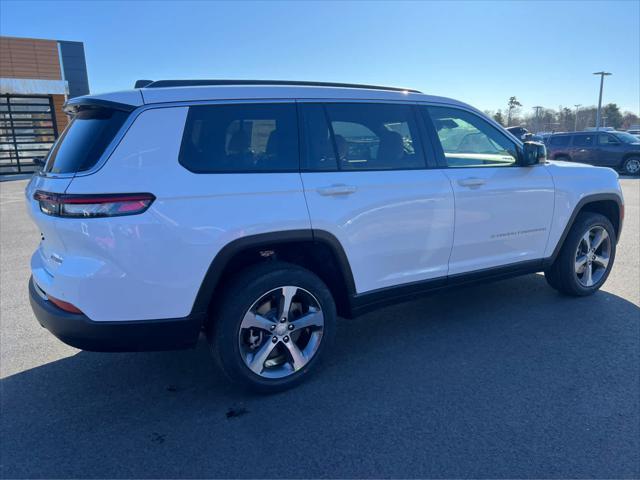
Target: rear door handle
{"x":472,"y":182}
{"x":337,"y":189}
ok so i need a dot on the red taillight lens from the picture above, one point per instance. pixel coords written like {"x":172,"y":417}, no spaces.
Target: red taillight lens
{"x":93,"y":206}
{"x":66,"y":306}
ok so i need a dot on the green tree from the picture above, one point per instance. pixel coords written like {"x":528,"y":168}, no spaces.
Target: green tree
{"x":613,"y":116}
{"x":512,"y":107}
{"x":498,"y":117}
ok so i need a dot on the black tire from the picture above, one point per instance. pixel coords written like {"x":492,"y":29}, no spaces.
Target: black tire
{"x":561,"y":275}
{"x":630,"y":166}
{"x":238,"y":297}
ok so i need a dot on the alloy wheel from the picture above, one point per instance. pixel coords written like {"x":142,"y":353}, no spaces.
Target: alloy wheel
{"x":592,"y":256}
{"x":632,"y":167}
{"x":281,"y":332}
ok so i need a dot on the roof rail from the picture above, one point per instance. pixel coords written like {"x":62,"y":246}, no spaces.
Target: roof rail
{"x":194,"y":83}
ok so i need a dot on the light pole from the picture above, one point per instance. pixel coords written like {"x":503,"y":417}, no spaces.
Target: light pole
{"x":602,"y":75}
{"x":575,"y":126}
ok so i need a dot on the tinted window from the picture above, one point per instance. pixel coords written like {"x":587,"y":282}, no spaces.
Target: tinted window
{"x":469,"y":141}
{"x":559,"y":141}
{"x":605,"y":139}
{"x":85,"y":140}
{"x":625,"y":137}
{"x":240,"y":138}
{"x":583,"y":140}
{"x":362,"y":136}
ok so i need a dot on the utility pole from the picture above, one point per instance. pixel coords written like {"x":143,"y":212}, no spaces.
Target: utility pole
{"x":537,"y":108}
{"x":599,"y":112}
{"x":575,"y":126}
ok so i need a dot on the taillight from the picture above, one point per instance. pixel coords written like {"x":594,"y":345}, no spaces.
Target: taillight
{"x":93,"y":206}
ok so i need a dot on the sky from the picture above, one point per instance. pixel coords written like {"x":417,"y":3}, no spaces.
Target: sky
{"x":479,"y":52}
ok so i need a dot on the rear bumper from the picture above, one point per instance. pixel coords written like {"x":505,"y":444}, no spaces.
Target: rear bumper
{"x":80,"y":332}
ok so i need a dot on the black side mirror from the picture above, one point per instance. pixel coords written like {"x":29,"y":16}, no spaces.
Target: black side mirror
{"x":533,"y":153}
{"x":39,"y":162}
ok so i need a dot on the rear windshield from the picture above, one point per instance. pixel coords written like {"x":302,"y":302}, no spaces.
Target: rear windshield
{"x":84,"y":140}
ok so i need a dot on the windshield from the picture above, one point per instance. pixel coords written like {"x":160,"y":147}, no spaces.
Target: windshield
{"x":626,"y":137}
{"x":84,"y":140}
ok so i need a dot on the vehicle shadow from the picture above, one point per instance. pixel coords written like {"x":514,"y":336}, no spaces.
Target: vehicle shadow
{"x":508,"y":379}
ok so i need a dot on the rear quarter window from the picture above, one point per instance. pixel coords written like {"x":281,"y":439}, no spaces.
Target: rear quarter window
{"x":85,"y":139}
{"x":240,"y":138}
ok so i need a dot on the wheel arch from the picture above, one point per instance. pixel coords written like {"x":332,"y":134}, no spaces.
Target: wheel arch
{"x":316,"y":250}
{"x":608,"y":204}
{"x":628,"y":155}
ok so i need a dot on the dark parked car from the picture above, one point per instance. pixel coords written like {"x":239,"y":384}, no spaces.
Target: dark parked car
{"x":618,"y":150}
{"x":519,"y":132}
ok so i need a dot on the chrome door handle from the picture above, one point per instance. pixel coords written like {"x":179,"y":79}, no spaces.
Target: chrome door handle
{"x":337,"y":189}
{"x":472,"y":182}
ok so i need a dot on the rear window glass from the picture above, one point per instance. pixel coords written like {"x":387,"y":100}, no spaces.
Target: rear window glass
{"x":562,"y":141}
{"x":85,"y":140}
{"x":362,"y":136}
{"x":240,"y":138}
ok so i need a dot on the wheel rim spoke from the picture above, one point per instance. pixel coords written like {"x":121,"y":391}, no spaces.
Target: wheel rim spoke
{"x":581,"y":262}
{"x":253,"y":320}
{"x":602,"y":261}
{"x":587,"y":277}
{"x":311,"y":319}
{"x":256,"y":363}
{"x":587,"y":240}
{"x":600,"y":236}
{"x":298,"y":360}
{"x":287,"y":296}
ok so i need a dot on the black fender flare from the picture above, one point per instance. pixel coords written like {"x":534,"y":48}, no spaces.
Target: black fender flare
{"x":224,"y":256}
{"x":596,"y":197}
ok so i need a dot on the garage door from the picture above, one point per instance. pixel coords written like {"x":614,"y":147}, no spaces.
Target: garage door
{"x":27,"y":131}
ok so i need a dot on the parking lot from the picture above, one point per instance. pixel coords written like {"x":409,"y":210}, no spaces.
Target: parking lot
{"x":508,"y":379}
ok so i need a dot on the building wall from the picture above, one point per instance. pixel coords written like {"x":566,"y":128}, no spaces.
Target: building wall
{"x":74,"y":68}
{"x":61,"y":117}
{"x":34,"y":62}
{"x":29,"y":58}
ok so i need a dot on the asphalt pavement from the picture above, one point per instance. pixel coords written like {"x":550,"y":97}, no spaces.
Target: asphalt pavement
{"x":502,"y":380}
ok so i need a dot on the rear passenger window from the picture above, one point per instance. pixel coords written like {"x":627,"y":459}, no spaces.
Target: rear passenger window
{"x":583,"y":140}
{"x":240,"y":138}
{"x":469,"y":141}
{"x":361,"y":136}
{"x":560,"y":141}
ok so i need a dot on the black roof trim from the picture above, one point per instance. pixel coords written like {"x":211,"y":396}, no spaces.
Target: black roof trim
{"x":142,"y":83}
{"x":73,"y":105}
{"x":197,"y":83}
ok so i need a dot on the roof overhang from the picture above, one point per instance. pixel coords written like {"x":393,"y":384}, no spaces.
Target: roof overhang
{"x":33,"y":86}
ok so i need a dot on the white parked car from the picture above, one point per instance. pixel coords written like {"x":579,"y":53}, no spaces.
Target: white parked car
{"x":259,"y":211}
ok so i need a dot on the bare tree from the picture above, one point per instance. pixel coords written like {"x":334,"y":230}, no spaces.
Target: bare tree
{"x":512,"y":105}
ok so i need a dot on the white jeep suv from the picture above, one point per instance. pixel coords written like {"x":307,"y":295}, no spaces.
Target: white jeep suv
{"x":258,"y":211}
